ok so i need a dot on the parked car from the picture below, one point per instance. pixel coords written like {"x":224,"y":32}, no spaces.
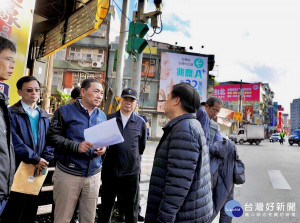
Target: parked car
{"x":295,"y":137}
{"x":275,"y":137}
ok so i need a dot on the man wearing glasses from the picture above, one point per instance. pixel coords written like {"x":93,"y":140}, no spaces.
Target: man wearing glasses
{"x":205,"y":115}
{"x":29,"y":125}
{"x":7,"y":158}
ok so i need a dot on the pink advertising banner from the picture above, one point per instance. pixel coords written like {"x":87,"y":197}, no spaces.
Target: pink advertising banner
{"x":230,"y":92}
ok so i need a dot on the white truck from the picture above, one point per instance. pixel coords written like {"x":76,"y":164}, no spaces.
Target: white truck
{"x":249,"y":133}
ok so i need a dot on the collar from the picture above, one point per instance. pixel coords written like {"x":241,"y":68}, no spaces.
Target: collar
{"x":174,"y":121}
{"x":124,"y":116}
{"x":18,"y":108}
{"x":27,"y":107}
{"x":91,"y":112}
{"x":132,"y":117}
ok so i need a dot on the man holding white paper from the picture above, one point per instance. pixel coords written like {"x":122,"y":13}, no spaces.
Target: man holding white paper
{"x":121,"y":167}
{"x":77,"y":174}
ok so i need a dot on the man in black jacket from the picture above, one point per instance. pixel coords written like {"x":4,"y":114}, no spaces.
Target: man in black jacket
{"x":7,"y":158}
{"x":121,"y":166}
{"x":180,"y":183}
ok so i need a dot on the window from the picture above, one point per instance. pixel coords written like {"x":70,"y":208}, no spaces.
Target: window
{"x":60,"y":55}
{"x":145,"y":92}
{"x":148,"y":67}
{"x":79,"y":77}
{"x":57,"y":78}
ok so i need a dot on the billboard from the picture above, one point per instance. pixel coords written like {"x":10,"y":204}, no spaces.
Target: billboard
{"x":248,"y":112}
{"x":15,"y":23}
{"x":176,"y":68}
{"x":271,"y":116}
{"x":230,"y":92}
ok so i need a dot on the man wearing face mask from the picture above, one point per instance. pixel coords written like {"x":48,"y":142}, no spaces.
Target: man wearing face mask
{"x":121,"y":166}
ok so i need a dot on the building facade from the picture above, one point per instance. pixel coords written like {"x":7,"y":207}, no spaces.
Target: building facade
{"x":295,"y":114}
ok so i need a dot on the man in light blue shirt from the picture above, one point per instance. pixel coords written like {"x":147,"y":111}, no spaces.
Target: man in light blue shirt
{"x":29,"y":125}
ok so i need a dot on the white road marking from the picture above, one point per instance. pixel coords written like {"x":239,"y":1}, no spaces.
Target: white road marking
{"x":278,"y":181}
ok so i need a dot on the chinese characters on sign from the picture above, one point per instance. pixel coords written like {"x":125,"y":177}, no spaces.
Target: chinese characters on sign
{"x":176,"y":68}
{"x":15,"y":23}
{"x":231,"y":92}
{"x":9,"y":16}
{"x":270,"y":209}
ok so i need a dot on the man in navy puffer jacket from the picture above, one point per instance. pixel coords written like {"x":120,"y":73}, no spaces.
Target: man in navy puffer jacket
{"x":180,"y":184}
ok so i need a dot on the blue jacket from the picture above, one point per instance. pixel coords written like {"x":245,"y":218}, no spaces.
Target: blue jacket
{"x":23,"y":139}
{"x":125,"y":158}
{"x":180,"y":183}
{"x":66,"y":132}
{"x":222,"y":162}
{"x":204,"y":120}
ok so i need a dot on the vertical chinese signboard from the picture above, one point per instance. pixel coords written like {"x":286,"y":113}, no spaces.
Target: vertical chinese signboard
{"x":176,"y":68}
{"x":271,"y":116}
{"x":15,"y":23}
{"x":248,"y":112}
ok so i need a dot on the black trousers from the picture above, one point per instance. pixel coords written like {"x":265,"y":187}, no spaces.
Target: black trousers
{"x":224,"y":218}
{"x":20,"y":208}
{"x":128,"y":188}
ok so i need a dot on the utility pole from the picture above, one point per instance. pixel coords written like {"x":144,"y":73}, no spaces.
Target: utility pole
{"x":121,"y":49}
{"x":48,"y":84}
{"x":240,"y":99}
{"x":137,"y":64}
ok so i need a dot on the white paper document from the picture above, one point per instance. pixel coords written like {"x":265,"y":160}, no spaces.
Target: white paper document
{"x":104,"y":134}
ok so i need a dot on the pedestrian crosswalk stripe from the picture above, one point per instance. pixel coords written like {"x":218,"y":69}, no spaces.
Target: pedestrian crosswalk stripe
{"x":278,"y":181}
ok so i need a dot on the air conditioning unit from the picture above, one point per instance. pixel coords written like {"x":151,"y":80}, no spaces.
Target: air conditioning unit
{"x":97,"y":64}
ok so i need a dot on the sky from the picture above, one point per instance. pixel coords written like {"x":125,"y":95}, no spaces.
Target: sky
{"x":256,"y":41}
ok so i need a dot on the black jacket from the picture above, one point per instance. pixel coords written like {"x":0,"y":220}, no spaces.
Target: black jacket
{"x":125,"y":158}
{"x":180,"y":183}
{"x":7,"y":157}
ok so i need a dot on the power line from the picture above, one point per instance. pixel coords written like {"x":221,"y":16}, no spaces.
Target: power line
{"x":121,"y":10}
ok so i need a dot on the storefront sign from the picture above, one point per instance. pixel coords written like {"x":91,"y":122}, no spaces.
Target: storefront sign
{"x":231,"y":92}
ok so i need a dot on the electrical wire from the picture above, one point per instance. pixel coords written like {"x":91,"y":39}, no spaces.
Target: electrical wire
{"x":121,"y":10}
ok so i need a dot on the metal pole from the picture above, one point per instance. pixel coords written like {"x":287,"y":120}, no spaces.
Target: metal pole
{"x":240,"y":99}
{"x":121,"y":48}
{"x":137,"y":65}
{"x":47,"y":93}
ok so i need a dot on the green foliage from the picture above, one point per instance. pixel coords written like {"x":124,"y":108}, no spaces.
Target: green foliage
{"x":65,"y":98}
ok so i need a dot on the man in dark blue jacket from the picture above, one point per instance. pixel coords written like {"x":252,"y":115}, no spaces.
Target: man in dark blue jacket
{"x":29,"y":125}
{"x":121,"y":167}
{"x":77,"y":174}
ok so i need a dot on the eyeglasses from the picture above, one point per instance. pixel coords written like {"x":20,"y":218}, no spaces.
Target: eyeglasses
{"x":215,"y":110}
{"x":30,"y":90}
{"x":9,"y":59}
